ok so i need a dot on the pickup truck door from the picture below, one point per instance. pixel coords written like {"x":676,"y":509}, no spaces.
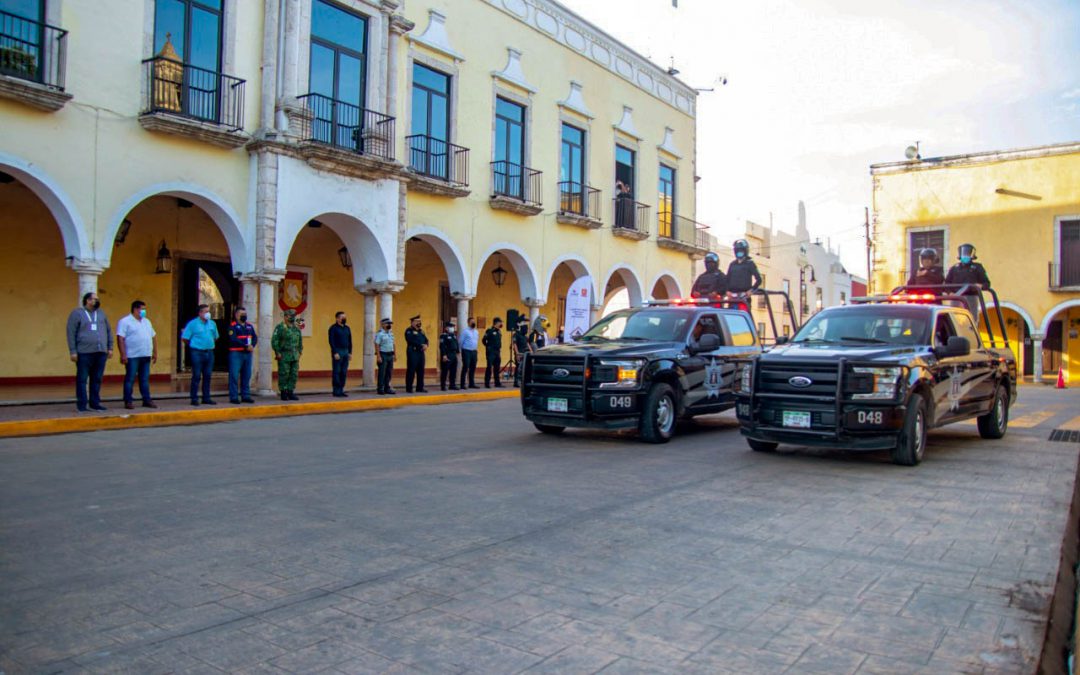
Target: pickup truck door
{"x":714,"y":377}
{"x":702,"y":370}
{"x":979,"y":385}
{"x":957,"y":379}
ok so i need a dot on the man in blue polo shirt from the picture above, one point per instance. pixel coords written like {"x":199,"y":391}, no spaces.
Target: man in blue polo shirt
{"x":199,"y":335}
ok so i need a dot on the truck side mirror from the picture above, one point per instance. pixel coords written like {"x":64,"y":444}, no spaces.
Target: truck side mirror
{"x":956,"y":346}
{"x":782,"y":340}
{"x":708,"y":342}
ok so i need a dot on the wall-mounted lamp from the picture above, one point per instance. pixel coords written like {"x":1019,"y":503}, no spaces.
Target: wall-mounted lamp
{"x":498,"y":275}
{"x":346,"y":259}
{"x":164,"y":259}
{"x":314,"y":223}
{"x":122,"y":233}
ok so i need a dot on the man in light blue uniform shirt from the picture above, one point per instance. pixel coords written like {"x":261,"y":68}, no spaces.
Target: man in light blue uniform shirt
{"x":470,"y":345}
{"x":199,"y":335}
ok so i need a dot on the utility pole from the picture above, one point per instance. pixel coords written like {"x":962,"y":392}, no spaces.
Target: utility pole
{"x":866,"y":225}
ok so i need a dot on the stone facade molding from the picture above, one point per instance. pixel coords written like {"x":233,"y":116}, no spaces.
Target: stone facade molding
{"x":33,"y":94}
{"x":187,"y":127}
{"x":512,"y":73}
{"x":436,"y":38}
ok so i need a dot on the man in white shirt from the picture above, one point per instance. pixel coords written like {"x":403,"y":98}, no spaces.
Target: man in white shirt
{"x":137,"y":342}
{"x":470,"y":344}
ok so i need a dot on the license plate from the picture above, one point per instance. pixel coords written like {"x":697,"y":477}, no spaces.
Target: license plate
{"x":797,"y":420}
{"x":557,"y":405}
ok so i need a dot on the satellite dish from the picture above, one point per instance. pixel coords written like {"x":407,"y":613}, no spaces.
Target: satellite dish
{"x":912,"y":152}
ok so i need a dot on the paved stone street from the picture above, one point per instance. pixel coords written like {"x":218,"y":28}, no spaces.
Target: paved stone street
{"x":455,"y":539}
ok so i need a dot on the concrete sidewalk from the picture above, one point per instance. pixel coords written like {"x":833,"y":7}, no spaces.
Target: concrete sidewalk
{"x":61,"y":418}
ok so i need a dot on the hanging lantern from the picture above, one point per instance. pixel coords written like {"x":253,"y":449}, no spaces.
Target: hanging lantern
{"x":122,"y":233}
{"x":498,"y":274}
{"x":164,"y":259}
{"x":346,"y":259}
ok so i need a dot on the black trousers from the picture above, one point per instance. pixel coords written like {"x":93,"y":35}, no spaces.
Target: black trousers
{"x":339,"y":370}
{"x":414,"y":369}
{"x":386,"y":371}
{"x":468,"y":367}
{"x":448,"y":368}
{"x":494,"y":366}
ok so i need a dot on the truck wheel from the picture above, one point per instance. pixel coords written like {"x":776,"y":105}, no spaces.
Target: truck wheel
{"x":995,"y":423}
{"x":549,"y":428}
{"x":762,"y":446}
{"x":658,"y":417}
{"x":911,"y":444}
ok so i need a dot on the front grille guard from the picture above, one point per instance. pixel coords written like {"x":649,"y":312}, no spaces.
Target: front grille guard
{"x":527,"y":383}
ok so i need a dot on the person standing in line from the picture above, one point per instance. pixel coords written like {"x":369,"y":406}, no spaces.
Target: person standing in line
{"x":929,"y":272}
{"x":449,"y":350}
{"x":416,"y":344}
{"x":538,"y":338}
{"x":969,"y":273}
{"x":384,"y":356}
{"x":341,"y":348}
{"x":493,"y":352}
{"x":521,"y":346}
{"x":199,"y":335}
{"x":90,"y":344}
{"x":288,"y":344}
{"x":242,"y":342}
{"x":137,"y":342}
{"x":470,"y":345}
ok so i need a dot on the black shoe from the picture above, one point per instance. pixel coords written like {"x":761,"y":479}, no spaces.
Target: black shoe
{"x":209,"y":401}
{"x":453,"y":388}
{"x":380,"y":392}
{"x":293,"y":396}
{"x":421,"y":391}
{"x":234,"y":401}
{"x":194,"y":402}
{"x":344,"y":394}
{"x":100,"y":408}
{"x":473,"y":386}
{"x":247,"y":399}
{"x":391,"y":391}
{"x":284,"y":396}
{"x":78,"y":409}
{"x":499,"y":386}
{"x":408,"y":391}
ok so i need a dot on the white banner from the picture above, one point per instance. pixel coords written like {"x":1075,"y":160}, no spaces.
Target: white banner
{"x":578,"y":303}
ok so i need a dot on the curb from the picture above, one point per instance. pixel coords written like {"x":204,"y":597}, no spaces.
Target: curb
{"x":70,"y":425}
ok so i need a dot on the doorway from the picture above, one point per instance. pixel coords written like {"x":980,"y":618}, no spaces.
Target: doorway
{"x":206,"y":282}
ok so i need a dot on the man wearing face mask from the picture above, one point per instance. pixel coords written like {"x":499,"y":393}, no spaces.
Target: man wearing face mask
{"x":742,"y":274}
{"x":288,"y":344}
{"x":242,"y":341}
{"x":493,"y":351}
{"x":341,"y":351}
{"x":967,"y":271}
{"x":200,"y":334}
{"x":470,"y":345}
{"x":448,"y":356}
{"x":416,"y":343}
{"x":137,"y":341}
{"x":90,"y":344}
{"x":521,"y":347}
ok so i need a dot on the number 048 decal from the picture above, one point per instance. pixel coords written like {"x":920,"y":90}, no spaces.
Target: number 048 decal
{"x":871,"y":417}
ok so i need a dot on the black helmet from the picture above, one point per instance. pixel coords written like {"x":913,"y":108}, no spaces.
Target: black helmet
{"x":741,"y":245}
{"x":928,"y":253}
{"x":712,"y":261}
{"x":966,"y":251}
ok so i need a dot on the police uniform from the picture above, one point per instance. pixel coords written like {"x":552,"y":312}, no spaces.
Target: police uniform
{"x":448,"y":357}
{"x":521,"y":347}
{"x":709,"y":284}
{"x":969,"y":273}
{"x":415,"y":344}
{"x":927,"y":276}
{"x":384,"y":348}
{"x":743,"y":276}
{"x":492,"y":341}
{"x":241,"y":337}
{"x":288,"y":345}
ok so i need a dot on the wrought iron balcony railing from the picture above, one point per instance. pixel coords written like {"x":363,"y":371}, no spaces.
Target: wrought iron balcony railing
{"x":349,"y":127}
{"x":32,"y":51}
{"x":682,"y":230}
{"x":438,"y":159}
{"x":1064,"y":274}
{"x":517,"y":182}
{"x":189,"y":91}
{"x":631,"y":215}
{"x":579,"y":199}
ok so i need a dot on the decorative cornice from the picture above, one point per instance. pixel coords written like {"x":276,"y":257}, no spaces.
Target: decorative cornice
{"x":87,"y":265}
{"x":668,"y":146}
{"x":435,"y":37}
{"x":207,"y":132}
{"x":626,"y":124}
{"x":32,"y":94}
{"x":977,"y":158}
{"x":575,"y":101}
{"x":575,"y":33}
{"x":512,"y":73}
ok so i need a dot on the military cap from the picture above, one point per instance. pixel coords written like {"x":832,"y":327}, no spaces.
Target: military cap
{"x":414,"y":318}
{"x":448,"y":324}
{"x":290,"y":312}
{"x":386,"y":319}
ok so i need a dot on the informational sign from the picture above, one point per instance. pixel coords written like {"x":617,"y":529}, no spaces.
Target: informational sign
{"x":294,"y":292}
{"x":578,"y":304}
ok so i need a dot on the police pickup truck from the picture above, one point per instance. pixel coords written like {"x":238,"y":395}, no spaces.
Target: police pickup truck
{"x":878,"y":374}
{"x":642,"y":368}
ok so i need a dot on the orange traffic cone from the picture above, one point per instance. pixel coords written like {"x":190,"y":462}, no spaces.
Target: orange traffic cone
{"x":1061,"y":378}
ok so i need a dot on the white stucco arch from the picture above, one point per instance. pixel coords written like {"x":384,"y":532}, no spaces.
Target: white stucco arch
{"x":72,"y":228}
{"x":370,"y":263}
{"x":670,"y":282}
{"x":219,"y":210}
{"x":1019,"y":310}
{"x":528,"y":279}
{"x":578,"y":266}
{"x":449,"y":253}
{"x":1075,"y":302}
{"x":630,"y":278}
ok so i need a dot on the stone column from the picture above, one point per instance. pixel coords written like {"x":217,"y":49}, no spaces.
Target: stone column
{"x":398,"y":26}
{"x":594,"y":314}
{"x":370,"y":327}
{"x":534,"y":310}
{"x":249,"y":294}
{"x":268,"y":68}
{"x":463,"y":310}
{"x":88,"y":272}
{"x":1037,"y":356}
{"x":268,"y":292}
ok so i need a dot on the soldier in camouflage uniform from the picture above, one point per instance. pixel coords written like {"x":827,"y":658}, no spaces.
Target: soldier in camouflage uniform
{"x":288,"y":345}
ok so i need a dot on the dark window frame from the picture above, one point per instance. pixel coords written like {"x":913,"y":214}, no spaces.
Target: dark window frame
{"x":429,"y":92}
{"x":185,"y":49}
{"x":501,"y":122}
{"x":339,"y":49}
{"x":666,"y":229}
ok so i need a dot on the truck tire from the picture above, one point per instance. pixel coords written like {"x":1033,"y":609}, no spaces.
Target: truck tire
{"x":995,"y":423}
{"x":552,"y":429}
{"x":911,"y":444}
{"x":658,"y":418}
{"x":762,"y":446}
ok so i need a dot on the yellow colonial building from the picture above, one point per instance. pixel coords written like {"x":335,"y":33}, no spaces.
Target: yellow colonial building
{"x":1021,"y":210}
{"x":448,"y":158}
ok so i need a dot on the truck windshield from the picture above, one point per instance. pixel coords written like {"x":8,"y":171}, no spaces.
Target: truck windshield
{"x":869,"y":324}
{"x":661,"y":325}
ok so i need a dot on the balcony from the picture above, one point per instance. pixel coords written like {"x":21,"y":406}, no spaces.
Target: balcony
{"x":631,"y":219}
{"x":32,"y":62}
{"x":682,"y":234}
{"x":347,"y":139}
{"x":579,"y":205}
{"x":1064,"y":276}
{"x":185,"y":100}
{"x":438,"y":167}
{"x":516,"y":188}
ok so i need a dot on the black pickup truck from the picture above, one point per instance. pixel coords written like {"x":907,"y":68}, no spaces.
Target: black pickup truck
{"x":877,"y":375}
{"x":641,"y":368}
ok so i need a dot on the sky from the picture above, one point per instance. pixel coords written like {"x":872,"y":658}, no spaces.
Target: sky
{"x":817,"y":90}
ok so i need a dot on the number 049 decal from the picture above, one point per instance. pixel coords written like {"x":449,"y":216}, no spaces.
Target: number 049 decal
{"x":871,"y":417}
{"x":621,"y":402}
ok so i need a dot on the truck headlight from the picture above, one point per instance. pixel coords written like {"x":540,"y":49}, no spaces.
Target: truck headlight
{"x":746,"y":378}
{"x":624,"y":374}
{"x":875,"y":383}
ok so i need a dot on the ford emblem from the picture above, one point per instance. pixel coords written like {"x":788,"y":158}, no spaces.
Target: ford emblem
{"x":800,"y":382}
{"x":561,"y":373}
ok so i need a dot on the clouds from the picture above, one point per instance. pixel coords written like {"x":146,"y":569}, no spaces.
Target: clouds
{"x":820,"y":89}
